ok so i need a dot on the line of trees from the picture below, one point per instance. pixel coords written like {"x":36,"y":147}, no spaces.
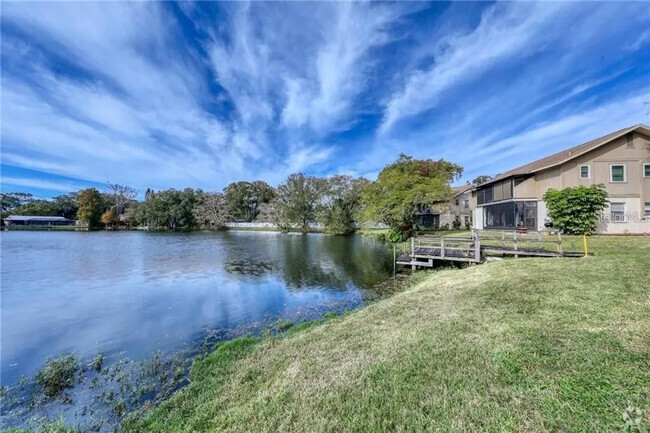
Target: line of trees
{"x":340,"y":203}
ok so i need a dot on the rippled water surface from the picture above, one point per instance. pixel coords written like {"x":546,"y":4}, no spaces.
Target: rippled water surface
{"x":134,"y":293}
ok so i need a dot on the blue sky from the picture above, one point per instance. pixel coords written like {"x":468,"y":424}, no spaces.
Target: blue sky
{"x":171,"y":95}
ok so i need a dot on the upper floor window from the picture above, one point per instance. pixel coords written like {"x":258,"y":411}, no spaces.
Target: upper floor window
{"x":457,"y":203}
{"x":646,"y":170}
{"x":617,"y":173}
{"x":584,"y":172}
{"x":466,"y":204}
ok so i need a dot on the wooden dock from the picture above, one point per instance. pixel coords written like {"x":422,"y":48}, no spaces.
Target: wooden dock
{"x":473,"y":248}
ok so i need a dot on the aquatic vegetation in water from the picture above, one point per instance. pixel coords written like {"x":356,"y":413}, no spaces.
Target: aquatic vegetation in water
{"x":58,"y":375}
{"x":283,"y":325}
{"x":98,"y":362}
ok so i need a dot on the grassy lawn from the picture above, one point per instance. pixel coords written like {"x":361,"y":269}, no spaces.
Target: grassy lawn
{"x":525,"y":345}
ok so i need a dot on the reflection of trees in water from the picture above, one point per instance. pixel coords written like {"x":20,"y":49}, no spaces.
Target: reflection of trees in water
{"x":305,"y":261}
{"x":364,"y":262}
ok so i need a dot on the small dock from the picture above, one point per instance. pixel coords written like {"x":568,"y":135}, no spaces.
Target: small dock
{"x":473,"y":248}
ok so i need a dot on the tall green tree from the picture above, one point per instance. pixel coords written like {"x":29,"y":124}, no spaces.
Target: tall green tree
{"x":65,"y":205}
{"x":171,"y":209}
{"x":575,"y":210}
{"x":90,"y":206}
{"x":403,"y":186}
{"x":341,"y":204}
{"x":298,"y":199}
{"x":245,"y":198}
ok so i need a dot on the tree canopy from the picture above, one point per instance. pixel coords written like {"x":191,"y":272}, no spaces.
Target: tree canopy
{"x":341,"y":203}
{"x":403,"y":186}
{"x":11,"y":200}
{"x":170,"y":209}
{"x":211,"y":210}
{"x":481,"y":179}
{"x":298,"y":199}
{"x":575,"y":210}
{"x":90,"y":206}
{"x":120,"y":195}
{"x":245,"y":198}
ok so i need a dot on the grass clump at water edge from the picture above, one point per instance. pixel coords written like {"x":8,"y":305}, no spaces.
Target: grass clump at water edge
{"x":58,"y":375}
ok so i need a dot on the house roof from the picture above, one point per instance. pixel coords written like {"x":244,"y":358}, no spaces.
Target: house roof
{"x":34,"y":217}
{"x":568,"y":154}
{"x":458,"y":190}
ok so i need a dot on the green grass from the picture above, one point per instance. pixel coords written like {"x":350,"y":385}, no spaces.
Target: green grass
{"x":523,"y":345}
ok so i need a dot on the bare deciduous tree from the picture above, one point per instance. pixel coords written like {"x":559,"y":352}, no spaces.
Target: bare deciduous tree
{"x":121,"y":195}
{"x":211,"y":210}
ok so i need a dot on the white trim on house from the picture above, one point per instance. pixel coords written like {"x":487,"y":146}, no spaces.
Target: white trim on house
{"x":588,"y":171}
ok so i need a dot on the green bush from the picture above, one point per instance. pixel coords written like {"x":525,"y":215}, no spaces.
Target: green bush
{"x":396,"y":235}
{"x":575,"y":210}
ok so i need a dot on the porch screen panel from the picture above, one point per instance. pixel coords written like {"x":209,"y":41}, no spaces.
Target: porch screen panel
{"x":501,"y":215}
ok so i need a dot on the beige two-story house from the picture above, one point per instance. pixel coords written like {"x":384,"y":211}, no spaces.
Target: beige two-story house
{"x":620,"y":161}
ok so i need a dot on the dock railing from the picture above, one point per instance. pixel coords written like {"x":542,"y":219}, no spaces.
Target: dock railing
{"x":528,"y":244}
{"x":475,"y":245}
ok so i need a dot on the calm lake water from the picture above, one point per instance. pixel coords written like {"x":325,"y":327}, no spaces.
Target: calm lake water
{"x":134,"y":293}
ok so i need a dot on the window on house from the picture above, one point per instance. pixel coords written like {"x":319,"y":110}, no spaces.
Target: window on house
{"x":617,"y":172}
{"x":457,"y":202}
{"x":617,"y":212}
{"x":584,"y":172}
{"x":646,"y":170}
{"x":466,"y":217}
{"x":646,"y":210}
{"x":466,"y":204}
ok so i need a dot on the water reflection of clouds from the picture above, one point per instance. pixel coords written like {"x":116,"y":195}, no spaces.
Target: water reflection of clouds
{"x":160,"y":291}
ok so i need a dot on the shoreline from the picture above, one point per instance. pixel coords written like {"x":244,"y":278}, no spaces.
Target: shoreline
{"x":136,"y":374}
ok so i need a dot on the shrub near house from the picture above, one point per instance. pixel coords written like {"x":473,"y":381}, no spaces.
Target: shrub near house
{"x":575,"y":210}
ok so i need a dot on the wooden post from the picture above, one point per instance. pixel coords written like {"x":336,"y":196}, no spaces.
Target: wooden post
{"x":413,"y":267}
{"x":559,"y":242}
{"x":584,"y":244}
{"x":539,"y":238}
{"x":442,"y":247}
{"x":477,"y":250}
{"x":394,"y":259}
{"x":503,"y":239}
{"x":514,"y":238}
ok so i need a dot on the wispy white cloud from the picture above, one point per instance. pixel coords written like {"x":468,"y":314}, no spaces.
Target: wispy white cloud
{"x":505,"y":31}
{"x":9,"y":182}
{"x":324,"y":96}
{"x":550,"y":137}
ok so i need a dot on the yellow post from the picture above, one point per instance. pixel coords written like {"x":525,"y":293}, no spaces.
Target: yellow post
{"x":584,"y":244}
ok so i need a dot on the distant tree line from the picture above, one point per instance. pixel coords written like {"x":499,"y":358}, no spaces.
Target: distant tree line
{"x":340,"y":203}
